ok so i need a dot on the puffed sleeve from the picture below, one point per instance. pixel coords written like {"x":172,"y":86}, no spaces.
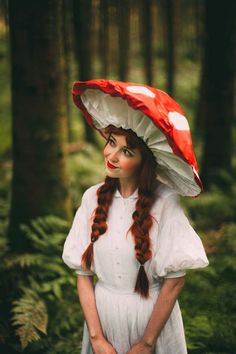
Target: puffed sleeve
{"x":178,"y":248}
{"x":78,"y":238}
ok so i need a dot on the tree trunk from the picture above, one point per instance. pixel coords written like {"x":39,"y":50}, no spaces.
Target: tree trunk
{"x":103,"y":36}
{"x":83,"y":32}
{"x":171,"y":37}
{"x":199,"y":122}
{"x":83,"y":22}
{"x":218,"y":100}
{"x":39,"y":182}
{"x":68,"y":40}
{"x":198,"y":21}
{"x":146,"y":38}
{"x":113,"y":37}
{"x":124,"y":32}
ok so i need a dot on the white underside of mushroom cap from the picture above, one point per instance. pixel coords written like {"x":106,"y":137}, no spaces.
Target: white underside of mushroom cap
{"x":172,"y":170}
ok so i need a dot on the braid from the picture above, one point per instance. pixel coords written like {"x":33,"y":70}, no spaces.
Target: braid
{"x":140,"y":230}
{"x":99,"y":226}
{"x":143,"y":220}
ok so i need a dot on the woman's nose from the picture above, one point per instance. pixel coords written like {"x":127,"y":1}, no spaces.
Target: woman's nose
{"x":114,"y":156}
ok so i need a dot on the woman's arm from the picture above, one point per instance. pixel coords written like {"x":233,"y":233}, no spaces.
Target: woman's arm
{"x":87,"y":300}
{"x":160,"y":314}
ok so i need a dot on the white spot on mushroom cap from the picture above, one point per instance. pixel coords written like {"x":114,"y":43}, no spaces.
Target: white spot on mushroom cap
{"x":140,"y":89}
{"x":179,"y":121}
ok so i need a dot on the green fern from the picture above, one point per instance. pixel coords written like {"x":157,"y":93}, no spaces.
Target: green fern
{"x":23,"y":260}
{"x":30,"y":316}
{"x":45,"y":282}
{"x":197,"y":330}
{"x":46,"y":233}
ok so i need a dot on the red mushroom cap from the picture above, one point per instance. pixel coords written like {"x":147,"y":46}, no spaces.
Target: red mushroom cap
{"x":154,"y":116}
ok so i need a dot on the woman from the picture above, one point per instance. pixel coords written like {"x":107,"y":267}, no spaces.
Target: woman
{"x":130,"y":230}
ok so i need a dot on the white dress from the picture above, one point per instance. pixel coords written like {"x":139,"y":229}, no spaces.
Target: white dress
{"x":176,"y":247}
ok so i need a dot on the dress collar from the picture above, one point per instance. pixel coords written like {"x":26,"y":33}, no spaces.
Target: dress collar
{"x":132,"y":196}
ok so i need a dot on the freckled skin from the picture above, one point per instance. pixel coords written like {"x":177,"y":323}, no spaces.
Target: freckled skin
{"x":127,"y":161}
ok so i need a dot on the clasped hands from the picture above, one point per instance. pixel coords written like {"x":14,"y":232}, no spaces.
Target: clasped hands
{"x":102,"y":346}
{"x":141,"y":348}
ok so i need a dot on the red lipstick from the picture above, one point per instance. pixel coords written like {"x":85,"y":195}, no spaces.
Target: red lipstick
{"x":109,"y":165}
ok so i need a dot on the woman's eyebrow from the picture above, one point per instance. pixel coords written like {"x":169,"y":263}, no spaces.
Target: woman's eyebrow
{"x":111,"y":136}
{"x":130,"y":150}
{"x":125,"y":146}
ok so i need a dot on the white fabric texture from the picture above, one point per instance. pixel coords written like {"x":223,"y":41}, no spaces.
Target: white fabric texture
{"x":175,"y":247}
{"x":172,"y":170}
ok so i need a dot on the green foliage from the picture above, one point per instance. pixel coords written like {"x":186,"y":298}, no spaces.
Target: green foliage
{"x":30,"y":316}
{"x":86,"y":169}
{"x":43,"y":302}
{"x":197,"y":329}
{"x":208,"y":300}
{"x":212,"y":208}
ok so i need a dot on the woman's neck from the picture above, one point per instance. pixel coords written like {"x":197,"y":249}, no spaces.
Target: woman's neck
{"x":127,"y":188}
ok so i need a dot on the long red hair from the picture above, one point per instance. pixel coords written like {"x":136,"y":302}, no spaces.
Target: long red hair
{"x":142,"y":219}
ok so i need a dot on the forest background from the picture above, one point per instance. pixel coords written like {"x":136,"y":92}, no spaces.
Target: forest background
{"x":49,"y":156}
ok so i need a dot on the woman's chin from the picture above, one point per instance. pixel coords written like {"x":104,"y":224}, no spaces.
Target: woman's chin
{"x":112,"y":174}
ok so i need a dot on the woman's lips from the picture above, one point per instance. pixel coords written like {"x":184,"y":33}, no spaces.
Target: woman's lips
{"x":109,"y":165}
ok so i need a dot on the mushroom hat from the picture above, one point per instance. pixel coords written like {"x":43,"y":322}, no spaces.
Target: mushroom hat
{"x":154,"y":116}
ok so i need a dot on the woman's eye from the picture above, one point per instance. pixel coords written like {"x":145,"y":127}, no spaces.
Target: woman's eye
{"x":127,"y":153}
{"x":111,"y":142}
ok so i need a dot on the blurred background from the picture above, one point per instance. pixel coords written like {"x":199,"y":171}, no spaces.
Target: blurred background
{"x":49,"y":156}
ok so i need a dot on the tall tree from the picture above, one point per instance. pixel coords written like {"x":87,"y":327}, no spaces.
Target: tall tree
{"x":68,"y":39}
{"x":147,"y":38}
{"x":83,"y":25}
{"x":124,"y":32}
{"x":39,"y":182}
{"x":113,"y":36}
{"x":198,"y":24}
{"x":103,"y":35}
{"x":218,"y":89}
{"x":83,"y":32}
{"x":169,"y":8}
{"x":199,"y":123}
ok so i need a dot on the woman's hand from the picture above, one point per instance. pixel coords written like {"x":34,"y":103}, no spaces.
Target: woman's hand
{"x":102,"y":346}
{"x":88,"y":303}
{"x":141,"y":348}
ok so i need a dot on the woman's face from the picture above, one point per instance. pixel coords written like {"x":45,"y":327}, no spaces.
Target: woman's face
{"x":121,"y":161}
